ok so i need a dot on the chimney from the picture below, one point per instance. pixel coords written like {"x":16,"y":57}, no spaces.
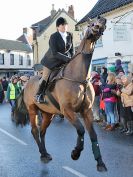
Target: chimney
{"x":25,"y":30}
{"x":29,"y":34}
{"x":53,"y":11}
{"x":71,"y":11}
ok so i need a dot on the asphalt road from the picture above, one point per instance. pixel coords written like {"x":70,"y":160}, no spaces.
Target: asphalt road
{"x":19,"y":156}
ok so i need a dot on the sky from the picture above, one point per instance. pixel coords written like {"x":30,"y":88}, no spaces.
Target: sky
{"x":17,"y":14}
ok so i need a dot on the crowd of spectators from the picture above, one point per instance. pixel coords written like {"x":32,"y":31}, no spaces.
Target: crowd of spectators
{"x":10,"y":88}
{"x":113,"y":104}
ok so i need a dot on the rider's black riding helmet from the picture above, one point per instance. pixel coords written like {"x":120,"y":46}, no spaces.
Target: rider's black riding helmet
{"x":61,"y":21}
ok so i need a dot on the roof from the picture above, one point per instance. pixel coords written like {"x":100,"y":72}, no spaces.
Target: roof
{"x":104,"y":6}
{"x":23,"y":39}
{"x":43,"y":24}
{"x":14,"y":45}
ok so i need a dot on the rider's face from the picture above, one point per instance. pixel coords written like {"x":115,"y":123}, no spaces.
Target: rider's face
{"x":62,"y":28}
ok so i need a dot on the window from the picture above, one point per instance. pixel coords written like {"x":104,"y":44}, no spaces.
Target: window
{"x":20,"y":60}
{"x":28,"y":60}
{"x":99,"y":42}
{"x":1,"y":59}
{"x":11,"y":59}
{"x":81,"y":35}
{"x":97,"y":68}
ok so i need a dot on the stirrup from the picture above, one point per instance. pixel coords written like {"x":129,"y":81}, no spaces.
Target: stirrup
{"x":40,"y":99}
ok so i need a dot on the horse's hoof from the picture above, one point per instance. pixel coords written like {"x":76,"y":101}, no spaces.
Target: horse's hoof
{"x":101,"y":168}
{"x":46,"y":158}
{"x":75,"y":154}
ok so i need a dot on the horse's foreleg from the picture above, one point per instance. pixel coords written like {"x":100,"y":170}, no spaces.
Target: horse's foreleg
{"x":44,"y":125}
{"x":72,"y":117}
{"x":87,"y":115}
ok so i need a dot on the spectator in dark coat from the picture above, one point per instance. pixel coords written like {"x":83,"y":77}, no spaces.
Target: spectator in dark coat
{"x":96,"y":106}
{"x":118,"y":67}
{"x":120,"y":109}
{"x":5,"y":85}
{"x":1,"y":92}
{"x":104,"y":75}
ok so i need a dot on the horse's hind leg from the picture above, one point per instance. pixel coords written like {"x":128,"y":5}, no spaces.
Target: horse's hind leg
{"x":72,"y":117}
{"x":87,"y":115}
{"x":34,"y":129}
{"x":44,"y":125}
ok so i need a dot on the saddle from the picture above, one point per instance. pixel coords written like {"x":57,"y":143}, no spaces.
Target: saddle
{"x":55,"y":75}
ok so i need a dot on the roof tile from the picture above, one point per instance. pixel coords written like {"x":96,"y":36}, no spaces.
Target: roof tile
{"x":14,"y":45}
{"x":104,"y":6}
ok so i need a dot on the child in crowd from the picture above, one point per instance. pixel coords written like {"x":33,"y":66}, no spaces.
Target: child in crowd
{"x":110,"y":101}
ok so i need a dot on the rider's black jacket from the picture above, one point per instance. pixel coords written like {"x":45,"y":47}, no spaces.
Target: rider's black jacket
{"x":58,"y":53}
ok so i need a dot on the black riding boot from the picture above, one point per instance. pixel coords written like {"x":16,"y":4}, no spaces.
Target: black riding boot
{"x":41,"y":92}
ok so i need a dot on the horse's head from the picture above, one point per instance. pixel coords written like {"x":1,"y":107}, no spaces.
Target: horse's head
{"x":95,"y":28}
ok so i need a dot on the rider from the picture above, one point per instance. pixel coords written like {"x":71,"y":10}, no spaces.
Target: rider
{"x":60,"y":52}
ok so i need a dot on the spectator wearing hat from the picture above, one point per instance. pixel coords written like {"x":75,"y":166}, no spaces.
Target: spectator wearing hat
{"x":60,"y":52}
{"x":111,"y":69}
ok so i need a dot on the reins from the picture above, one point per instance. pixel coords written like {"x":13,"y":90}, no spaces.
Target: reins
{"x":84,"y":82}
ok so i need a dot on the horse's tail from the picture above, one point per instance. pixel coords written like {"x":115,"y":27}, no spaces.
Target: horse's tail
{"x":21,"y":115}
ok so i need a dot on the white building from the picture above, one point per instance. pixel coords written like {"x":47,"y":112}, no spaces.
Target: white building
{"x":15,"y":56}
{"x":117,"y":41}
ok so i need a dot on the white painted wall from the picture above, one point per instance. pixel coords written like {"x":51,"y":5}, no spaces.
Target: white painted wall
{"x":110,"y":47}
{"x":16,"y":60}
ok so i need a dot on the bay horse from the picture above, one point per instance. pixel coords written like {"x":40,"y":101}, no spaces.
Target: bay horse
{"x":73,"y":94}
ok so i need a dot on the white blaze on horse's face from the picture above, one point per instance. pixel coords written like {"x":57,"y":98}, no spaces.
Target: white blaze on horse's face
{"x":96,"y":28}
